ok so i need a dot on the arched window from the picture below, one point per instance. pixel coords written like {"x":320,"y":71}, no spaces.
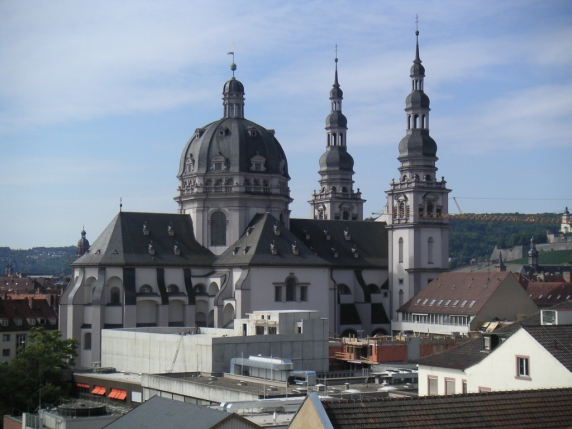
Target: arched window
{"x":415,"y":121}
{"x":218,"y":229}
{"x":291,"y":289}
{"x":430,"y":250}
{"x":430,"y":208}
{"x":400,"y":245}
{"x":373,"y":289}
{"x":423,"y":121}
{"x":400,"y":297}
{"x":145,"y":289}
{"x":115,"y":296}
{"x":344,"y":289}
{"x":200,"y":289}
{"x":345,"y":215}
{"x":87,"y":341}
{"x":344,"y":189}
{"x":408,"y":122}
{"x":172,"y":289}
{"x":402,"y":209}
{"x":341,"y":143}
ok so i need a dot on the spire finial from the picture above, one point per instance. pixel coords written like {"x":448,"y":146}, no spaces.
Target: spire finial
{"x":120,"y":203}
{"x":417,"y":38}
{"x":233,"y":65}
{"x":336,"y":60}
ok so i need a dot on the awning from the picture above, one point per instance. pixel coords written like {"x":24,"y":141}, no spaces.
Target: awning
{"x":82,"y":385}
{"x":118,"y":394}
{"x":98,"y":390}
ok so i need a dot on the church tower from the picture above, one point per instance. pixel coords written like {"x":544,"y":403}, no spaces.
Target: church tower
{"x":336,"y":199}
{"x":418,"y":232}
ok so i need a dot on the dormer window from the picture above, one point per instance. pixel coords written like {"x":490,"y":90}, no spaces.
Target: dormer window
{"x":218,"y":163}
{"x":41,"y":320}
{"x":31,"y":321}
{"x":257,"y":163}
{"x":52,"y":321}
{"x":18,"y":322}
{"x":190,"y":164}
{"x":4,"y":322}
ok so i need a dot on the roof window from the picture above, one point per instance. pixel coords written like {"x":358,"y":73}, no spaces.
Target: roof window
{"x":568,"y":297}
{"x":541,"y":295}
{"x":18,"y":322}
{"x":463,"y":303}
{"x":4,"y":322}
{"x":448,"y":302}
{"x":433,"y":301}
{"x":472,"y":303}
{"x":455,"y":303}
{"x":425,"y":302}
{"x":418,"y":301}
{"x":549,"y":296}
{"x":440,"y":302}
{"x":558,"y":297}
{"x":31,"y":321}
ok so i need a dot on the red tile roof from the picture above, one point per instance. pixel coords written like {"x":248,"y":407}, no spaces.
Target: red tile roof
{"x":547,"y":294}
{"x":31,"y":314}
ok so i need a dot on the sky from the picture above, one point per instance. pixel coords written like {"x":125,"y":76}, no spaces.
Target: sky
{"x":97,"y":100}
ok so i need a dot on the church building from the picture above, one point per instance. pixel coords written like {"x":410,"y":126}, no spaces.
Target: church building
{"x":232,"y":247}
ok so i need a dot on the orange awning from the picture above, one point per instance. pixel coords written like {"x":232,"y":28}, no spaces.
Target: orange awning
{"x":118,"y":394}
{"x":98,"y":390}
{"x":82,"y":385}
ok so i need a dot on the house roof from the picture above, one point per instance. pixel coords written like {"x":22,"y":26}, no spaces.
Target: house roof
{"x":254,"y":246}
{"x":556,"y":339}
{"x":459,"y":293}
{"x":26,"y":310}
{"x":547,"y":294}
{"x":515,"y":409}
{"x":369,"y":239}
{"x":160,"y":412}
{"x":124,"y":242}
{"x":460,"y":357}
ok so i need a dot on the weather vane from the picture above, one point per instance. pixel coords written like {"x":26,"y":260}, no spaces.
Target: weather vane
{"x":233,"y":65}
{"x":416,"y":23}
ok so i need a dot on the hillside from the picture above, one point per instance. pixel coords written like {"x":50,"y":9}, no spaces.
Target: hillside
{"x":38,"y":260}
{"x":556,"y":257}
{"x":475,"y":239}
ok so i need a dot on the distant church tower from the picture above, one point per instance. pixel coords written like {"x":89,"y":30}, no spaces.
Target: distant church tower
{"x":82,"y":245}
{"x":336,"y":199}
{"x":417,"y":233}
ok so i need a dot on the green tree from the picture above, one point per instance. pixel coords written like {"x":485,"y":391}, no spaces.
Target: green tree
{"x":35,"y":374}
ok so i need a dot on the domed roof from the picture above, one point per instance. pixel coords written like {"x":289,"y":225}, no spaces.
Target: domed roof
{"x":336,"y":158}
{"x":336,"y":92}
{"x":234,"y":142}
{"x":417,"y":143}
{"x":417,"y":69}
{"x":336,"y":119}
{"x":417,"y":99}
{"x":233,"y":85}
{"x":83,"y":242}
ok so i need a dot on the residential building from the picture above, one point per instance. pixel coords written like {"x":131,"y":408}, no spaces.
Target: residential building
{"x":462,"y":301}
{"x":533,"y":354}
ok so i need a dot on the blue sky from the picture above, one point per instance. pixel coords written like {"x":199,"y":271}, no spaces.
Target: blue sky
{"x":97,"y":99}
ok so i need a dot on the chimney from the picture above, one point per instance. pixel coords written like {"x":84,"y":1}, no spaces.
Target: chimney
{"x":566,"y":275}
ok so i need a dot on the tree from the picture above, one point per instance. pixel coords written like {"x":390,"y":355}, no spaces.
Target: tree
{"x":34,"y":376}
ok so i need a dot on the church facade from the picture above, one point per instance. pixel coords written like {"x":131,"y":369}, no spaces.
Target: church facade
{"x":232,"y":247}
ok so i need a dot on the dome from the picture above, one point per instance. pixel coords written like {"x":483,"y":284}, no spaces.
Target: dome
{"x":83,"y":242}
{"x":233,"y":86}
{"x":417,"y":69}
{"x":336,"y":92}
{"x":417,"y":99}
{"x":417,"y":143}
{"x":336,"y":158}
{"x":231,"y":144}
{"x":336,"y":119}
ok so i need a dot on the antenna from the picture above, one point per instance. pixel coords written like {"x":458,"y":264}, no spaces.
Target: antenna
{"x":120,"y":203}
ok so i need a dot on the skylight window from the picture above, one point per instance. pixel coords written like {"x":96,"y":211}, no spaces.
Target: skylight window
{"x":455,"y":303}
{"x":440,"y":302}
{"x":558,"y":297}
{"x":418,"y":301}
{"x":549,"y":296}
{"x":463,"y":303}
{"x":540,"y":296}
{"x":568,"y":297}
{"x":425,"y":302}
{"x":471,"y":304}
{"x":433,"y":301}
{"x":448,"y":302}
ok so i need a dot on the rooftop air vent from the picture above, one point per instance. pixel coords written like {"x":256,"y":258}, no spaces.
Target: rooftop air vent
{"x":151,"y":248}
{"x":170,"y":230}
{"x":273,"y":249}
{"x":295,"y":250}
{"x":145,"y":229}
{"x":176,"y":249}
{"x":276,"y":229}
{"x":347,"y":235}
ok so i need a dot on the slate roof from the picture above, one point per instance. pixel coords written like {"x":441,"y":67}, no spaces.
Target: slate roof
{"x":123,"y":242}
{"x":459,"y":287}
{"x":160,"y":412}
{"x":547,"y":294}
{"x":460,"y":357}
{"x":253,"y":248}
{"x":543,"y":408}
{"x":368,"y":238}
{"x":556,"y":339}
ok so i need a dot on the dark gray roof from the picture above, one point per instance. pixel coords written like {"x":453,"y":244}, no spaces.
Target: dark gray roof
{"x":417,"y":142}
{"x":463,"y":356}
{"x":336,"y":119}
{"x":160,"y":412}
{"x":556,"y":339}
{"x":254,"y":246}
{"x":542,"y":408}
{"x":238,"y":140}
{"x":336,"y":158}
{"x":233,"y":85}
{"x":368,"y":238}
{"x":123,"y":242}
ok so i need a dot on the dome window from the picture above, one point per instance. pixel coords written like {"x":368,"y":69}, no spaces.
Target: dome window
{"x":257,"y":163}
{"x":190,"y":164}
{"x":218,"y":163}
